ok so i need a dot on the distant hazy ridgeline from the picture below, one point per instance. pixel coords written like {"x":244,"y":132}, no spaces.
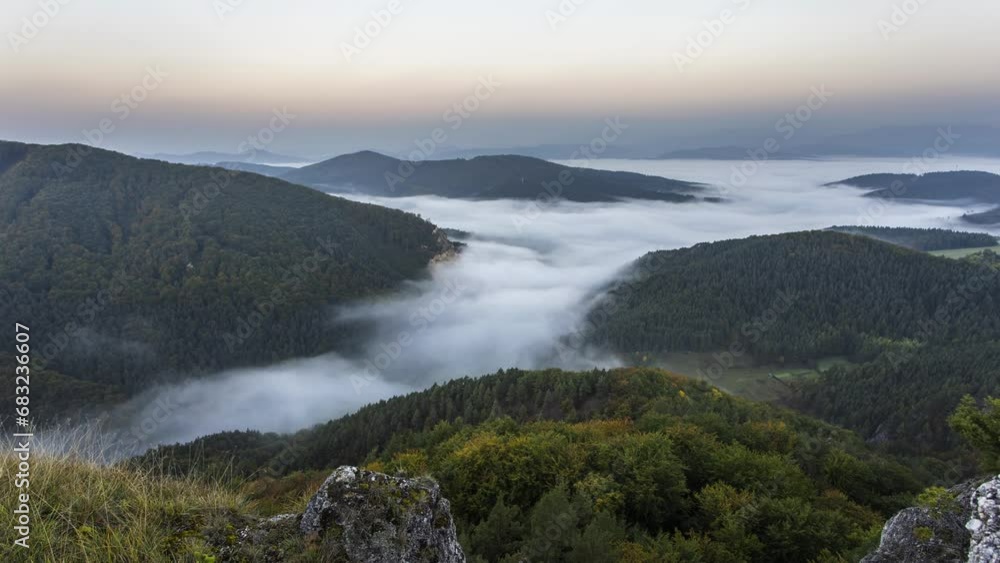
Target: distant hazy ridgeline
{"x":485,"y":177}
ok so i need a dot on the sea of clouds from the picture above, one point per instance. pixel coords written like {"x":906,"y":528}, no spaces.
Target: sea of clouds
{"x":528,"y":275}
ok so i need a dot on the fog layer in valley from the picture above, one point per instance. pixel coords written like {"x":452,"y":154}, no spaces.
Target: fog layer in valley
{"x":527,"y":277}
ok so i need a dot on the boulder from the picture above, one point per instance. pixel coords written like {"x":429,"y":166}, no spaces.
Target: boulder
{"x":985,"y":523}
{"x":375,"y":518}
{"x":356,"y":516}
{"x":914,"y":535}
{"x":969,"y":533}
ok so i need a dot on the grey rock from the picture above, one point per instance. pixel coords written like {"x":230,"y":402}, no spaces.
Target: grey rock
{"x":356,"y":516}
{"x":902,"y":541}
{"x":918,"y":535}
{"x":984,"y":523}
{"x":970,"y":534}
{"x":363,"y":516}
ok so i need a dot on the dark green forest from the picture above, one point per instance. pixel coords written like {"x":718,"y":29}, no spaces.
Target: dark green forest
{"x":922,"y":239}
{"x":905,"y":396}
{"x":797,"y":296}
{"x":140,"y":271}
{"x":983,"y":187}
{"x":636,"y":464}
{"x":991,"y":217}
{"x":485,"y":177}
{"x":923,"y":329}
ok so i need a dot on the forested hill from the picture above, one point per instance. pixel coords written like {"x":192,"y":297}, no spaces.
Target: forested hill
{"x":634,"y":465}
{"x":922,"y":239}
{"x":983,"y":187}
{"x":129,"y":268}
{"x":922,"y":329}
{"x":991,"y":217}
{"x":485,"y":177}
{"x":796,"y":296}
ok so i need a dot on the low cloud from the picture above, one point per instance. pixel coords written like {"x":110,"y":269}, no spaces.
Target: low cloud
{"x":513,"y":292}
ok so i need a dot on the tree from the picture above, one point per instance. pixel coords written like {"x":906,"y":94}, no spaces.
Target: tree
{"x":500,"y":533}
{"x":981,"y":428}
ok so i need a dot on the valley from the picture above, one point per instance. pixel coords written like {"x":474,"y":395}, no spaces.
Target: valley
{"x":734,"y":310}
{"x":500,"y":282}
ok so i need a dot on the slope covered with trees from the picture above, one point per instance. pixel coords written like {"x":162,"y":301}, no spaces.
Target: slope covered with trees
{"x":130,"y":268}
{"x":922,"y":329}
{"x":991,"y":217}
{"x":485,"y":177}
{"x":796,"y":296}
{"x":922,"y":239}
{"x":630,"y":464}
{"x":905,"y":395}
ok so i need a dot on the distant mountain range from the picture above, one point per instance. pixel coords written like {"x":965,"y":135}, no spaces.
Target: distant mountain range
{"x":262,"y":169}
{"x":485,"y":177}
{"x":894,"y":141}
{"x":212,"y":157}
{"x":563,"y":151}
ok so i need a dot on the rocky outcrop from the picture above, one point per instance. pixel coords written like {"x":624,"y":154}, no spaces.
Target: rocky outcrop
{"x":358,"y":516}
{"x":915,"y":536}
{"x":985,"y":523}
{"x":447,"y":249}
{"x":968,"y":534}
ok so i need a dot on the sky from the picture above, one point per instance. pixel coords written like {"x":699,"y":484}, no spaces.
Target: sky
{"x":189,"y":75}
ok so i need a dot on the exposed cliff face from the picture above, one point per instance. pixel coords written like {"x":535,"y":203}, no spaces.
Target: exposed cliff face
{"x":915,"y":536}
{"x":971,"y":533}
{"x":447,"y":250}
{"x":985,"y":523}
{"x":358,"y":516}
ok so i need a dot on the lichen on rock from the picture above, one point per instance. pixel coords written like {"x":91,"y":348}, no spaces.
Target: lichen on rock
{"x":358,"y":516}
{"x":969,"y":534}
{"x":375,"y":518}
{"x":984,"y":524}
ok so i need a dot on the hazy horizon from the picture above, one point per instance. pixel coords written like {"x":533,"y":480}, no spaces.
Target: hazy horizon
{"x":382,"y":74}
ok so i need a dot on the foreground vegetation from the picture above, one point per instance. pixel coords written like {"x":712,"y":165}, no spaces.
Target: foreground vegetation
{"x":81,"y":511}
{"x":630,"y":465}
{"x":633,"y":465}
